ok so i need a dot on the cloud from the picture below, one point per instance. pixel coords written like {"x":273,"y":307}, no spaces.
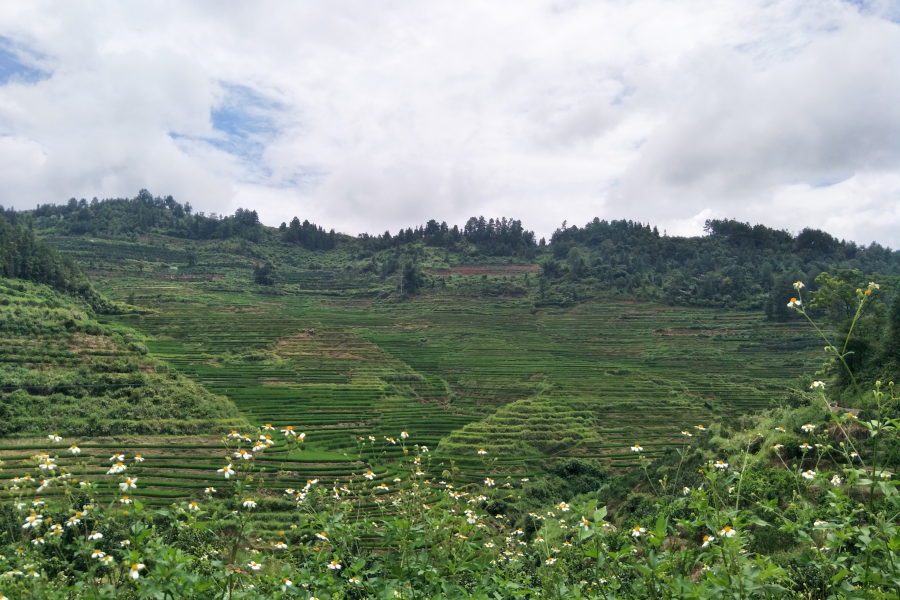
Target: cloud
{"x":369,"y":117}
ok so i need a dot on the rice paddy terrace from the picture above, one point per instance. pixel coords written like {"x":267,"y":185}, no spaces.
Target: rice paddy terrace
{"x":458,"y":373}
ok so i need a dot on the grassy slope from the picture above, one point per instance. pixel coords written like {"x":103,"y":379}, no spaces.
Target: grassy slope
{"x":63,"y":371}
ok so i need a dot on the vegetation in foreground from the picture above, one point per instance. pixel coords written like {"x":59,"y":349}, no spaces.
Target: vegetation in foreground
{"x":796,"y":503}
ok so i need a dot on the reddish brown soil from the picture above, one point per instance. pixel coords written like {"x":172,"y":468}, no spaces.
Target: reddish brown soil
{"x":488,"y":270}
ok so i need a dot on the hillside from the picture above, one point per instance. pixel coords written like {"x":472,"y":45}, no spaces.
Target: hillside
{"x":61,"y":370}
{"x":453,"y":386}
{"x":735,"y":265}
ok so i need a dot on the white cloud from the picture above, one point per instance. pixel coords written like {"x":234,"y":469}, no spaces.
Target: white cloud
{"x":365,"y":116}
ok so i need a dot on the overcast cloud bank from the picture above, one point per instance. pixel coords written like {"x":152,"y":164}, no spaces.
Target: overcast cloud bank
{"x":370,"y":116}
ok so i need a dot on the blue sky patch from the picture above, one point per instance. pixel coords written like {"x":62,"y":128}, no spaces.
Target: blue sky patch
{"x":244,"y":122}
{"x":14,"y":65}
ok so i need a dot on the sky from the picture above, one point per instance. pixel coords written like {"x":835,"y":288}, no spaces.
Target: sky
{"x":371,"y":115}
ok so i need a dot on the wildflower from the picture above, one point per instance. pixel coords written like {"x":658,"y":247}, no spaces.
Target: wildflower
{"x":886,"y":475}
{"x":285,"y":584}
{"x":288,"y":431}
{"x":719,"y":464}
{"x":354,"y":581}
{"x":805,"y":447}
{"x":799,"y":285}
{"x":853,"y":455}
{"x":636,"y":448}
{"x":728,"y":532}
{"x":33,"y":521}
{"x":874,"y":286}
{"x":125,"y":500}
{"x":117,"y":458}
{"x":234,"y":434}
{"x":637,"y":531}
{"x":777,"y":447}
{"x":563,"y":506}
{"x":136,"y":569}
{"x":116,"y":469}
{"x":685,"y":490}
{"x":268,"y":427}
{"x":322,"y":536}
{"x":73,"y":449}
{"x":243,"y":454}
{"x":227,"y":471}
{"x":424,"y":449}
{"x":819,"y":523}
{"x":210,"y":490}
{"x":254,"y":565}
{"x":334,"y":565}
{"x":810,"y":475}
{"x":730,"y":489}
{"x":37,"y":541}
{"x":707,"y":540}
{"x":193,"y":507}
{"x":794,"y":303}
{"x":687,"y":434}
{"x":72,"y":521}
{"x":138,"y":458}
{"x":97,"y":554}
{"x":550,"y":561}
{"x":95,"y":536}
{"x":700,"y":427}
{"x":249,"y":503}
{"x":817,"y":384}
{"x":489,"y":482}
{"x":53,"y":437}
{"x":482,"y":452}
{"x":125,"y":543}
{"x":403,"y":435}
{"x":808,"y":428}
{"x":488,"y":545}
{"x":391,"y":440}
{"x":781,"y":429}
{"x":835,"y":480}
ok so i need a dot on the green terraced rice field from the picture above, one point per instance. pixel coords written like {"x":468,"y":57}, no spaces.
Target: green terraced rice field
{"x":458,"y":373}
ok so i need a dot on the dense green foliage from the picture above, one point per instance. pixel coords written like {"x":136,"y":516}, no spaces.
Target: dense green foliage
{"x":23,"y":256}
{"x":734,"y":265}
{"x":143,"y":213}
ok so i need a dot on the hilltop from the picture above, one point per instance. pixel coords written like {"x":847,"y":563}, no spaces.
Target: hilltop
{"x":734,"y":265}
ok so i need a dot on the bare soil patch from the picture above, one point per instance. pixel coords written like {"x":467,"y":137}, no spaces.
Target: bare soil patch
{"x":487,"y":270}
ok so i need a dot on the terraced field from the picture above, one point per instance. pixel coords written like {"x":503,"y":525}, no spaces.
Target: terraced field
{"x":458,"y":373}
{"x":341,"y":367}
